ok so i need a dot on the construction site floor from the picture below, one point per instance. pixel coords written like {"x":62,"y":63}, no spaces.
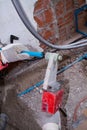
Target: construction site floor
{"x":25,"y":112}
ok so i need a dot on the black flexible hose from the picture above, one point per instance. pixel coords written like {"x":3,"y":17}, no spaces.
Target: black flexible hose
{"x":29,"y":26}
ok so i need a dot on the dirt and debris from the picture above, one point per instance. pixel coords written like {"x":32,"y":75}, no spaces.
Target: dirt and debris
{"x":25,"y":112}
{"x":20,"y":117}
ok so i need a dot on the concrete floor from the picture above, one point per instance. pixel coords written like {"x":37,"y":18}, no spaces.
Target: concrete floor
{"x":22,"y":113}
{"x":25,"y":112}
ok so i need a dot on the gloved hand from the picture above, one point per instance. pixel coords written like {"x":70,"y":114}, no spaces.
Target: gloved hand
{"x":53,"y":123}
{"x":12,"y":53}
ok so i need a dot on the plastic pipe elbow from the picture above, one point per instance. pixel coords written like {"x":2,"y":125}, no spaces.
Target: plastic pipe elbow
{"x":51,"y":126}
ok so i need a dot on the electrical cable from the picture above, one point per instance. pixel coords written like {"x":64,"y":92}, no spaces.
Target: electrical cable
{"x":77,"y":107}
{"x":30,"y":28}
{"x":79,"y":42}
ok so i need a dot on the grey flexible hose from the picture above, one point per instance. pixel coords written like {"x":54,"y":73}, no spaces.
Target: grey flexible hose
{"x":79,"y":42}
{"x":29,"y":26}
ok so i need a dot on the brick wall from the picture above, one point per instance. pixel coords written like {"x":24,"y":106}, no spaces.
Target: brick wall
{"x":55,"y":19}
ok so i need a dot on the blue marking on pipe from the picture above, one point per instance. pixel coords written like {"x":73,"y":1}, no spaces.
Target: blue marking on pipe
{"x":31,"y":88}
{"x":70,"y":65}
{"x":59,"y":72}
{"x":34,"y":54}
{"x":0,"y":49}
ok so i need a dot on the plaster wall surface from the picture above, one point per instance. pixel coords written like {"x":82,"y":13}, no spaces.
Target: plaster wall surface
{"x":10,"y":23}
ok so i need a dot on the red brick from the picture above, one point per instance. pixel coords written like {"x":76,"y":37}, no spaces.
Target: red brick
{"x":61,"y":21}
{"x":69,"y":17}
{"x":38,"y":6}
{"x":69,"y":5}
{"x":81,"y":2}
{"x":46,"y":3}
{"x":60,"y":8}
{"x":39,"y":19}
{"x":52,"y":26}
{"x":48,"y":34}
{"x":62,"y":31}
{"x":48,"y":16}
{"x":54,"y":40}
{"x":43,"y":46}
{"x":81,"y":23}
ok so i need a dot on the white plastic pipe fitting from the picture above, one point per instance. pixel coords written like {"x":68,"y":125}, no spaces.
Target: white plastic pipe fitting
{"x":53,"y":123}
{"x":51,"y":126}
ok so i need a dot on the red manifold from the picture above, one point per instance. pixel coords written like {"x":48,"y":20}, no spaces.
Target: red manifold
{"x":51,"y":101}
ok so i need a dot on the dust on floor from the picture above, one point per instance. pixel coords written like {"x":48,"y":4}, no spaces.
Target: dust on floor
{"x":25,"y":112}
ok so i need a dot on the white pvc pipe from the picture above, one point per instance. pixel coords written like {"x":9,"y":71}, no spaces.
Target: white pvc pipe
{"x":51,"y":71}
{"x":51,"y":126}
{"x":54,"y":123}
